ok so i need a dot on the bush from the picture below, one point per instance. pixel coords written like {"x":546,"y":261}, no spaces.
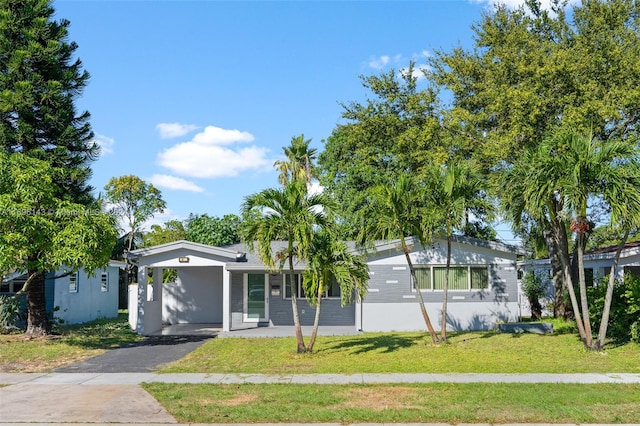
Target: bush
{"x":624,"y":317}
{"x":534,"y":289}
{"x":13,"y":312}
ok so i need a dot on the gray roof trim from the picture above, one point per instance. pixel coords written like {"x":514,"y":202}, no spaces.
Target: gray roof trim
{"x":492,"y":245}
{"x":188,"y":245}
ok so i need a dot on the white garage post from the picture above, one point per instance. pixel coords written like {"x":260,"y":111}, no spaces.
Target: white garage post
{"x":142,"y":297}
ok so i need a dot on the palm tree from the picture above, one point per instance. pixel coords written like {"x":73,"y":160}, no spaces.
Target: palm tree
{"x":399,"y":214}
{"x":595,"y":169}
{"x":330,"y":259}
{"x":531,"y":187}
{"x":290,"y":214}
{"x":299,"y":164}
{"x":556,"y":180}
{"x":455,"y":191}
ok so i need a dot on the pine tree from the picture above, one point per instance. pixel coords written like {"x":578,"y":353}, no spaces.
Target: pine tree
{"x":40,"y":79}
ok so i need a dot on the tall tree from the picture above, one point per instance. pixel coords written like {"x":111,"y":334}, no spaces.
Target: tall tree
{"x":290,"y":214}
{"x":40,"y":80}
{"x":455,"y":192}
{"x":402,"y":214}
{"x":330,"y":261}
{"x":299,"y":163}
{"x":532,"y":71}
{"x":41,"y":232}
{"x":214,"y":231}
{"x":396,"y":129}
{"x":554,"y":182}
{"x":172,"y":230}
{"x":134,"y":201}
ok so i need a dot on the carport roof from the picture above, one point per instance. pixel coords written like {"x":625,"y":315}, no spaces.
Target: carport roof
{"x":232,"y":255}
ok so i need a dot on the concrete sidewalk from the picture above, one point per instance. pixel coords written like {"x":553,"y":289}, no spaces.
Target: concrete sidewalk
{"x":118,"y":399}
{"x":361,"y":378}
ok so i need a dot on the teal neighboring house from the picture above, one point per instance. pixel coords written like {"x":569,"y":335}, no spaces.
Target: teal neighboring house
{"x":78,"y":297}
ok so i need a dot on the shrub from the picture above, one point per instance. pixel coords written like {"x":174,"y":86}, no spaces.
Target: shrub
{"x":534,"y":289}
{"x":13,"y":312}
{"x":624,"y":317}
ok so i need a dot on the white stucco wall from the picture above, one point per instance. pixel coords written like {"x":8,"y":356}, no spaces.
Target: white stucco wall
{"x":408,"y":317}
{"x":196,"y":297}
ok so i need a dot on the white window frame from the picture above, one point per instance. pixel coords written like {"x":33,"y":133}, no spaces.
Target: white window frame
{"x":285,"y":275}
{"x":74,"y":281}
{"x":431,"y":269}
{"x":104,"y":282}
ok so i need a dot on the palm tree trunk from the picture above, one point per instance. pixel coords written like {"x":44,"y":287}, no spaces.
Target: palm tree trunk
{"x":316,"y":321}
{"x":559,"y":304}
{"x":414,"y":281}
{"x":294,"y":307}
{"x":583,"y":295}
{"x":602,"y":333}
{"x":443,"y":327}
{"x":37,"y":319}
{"x":560,"y":235}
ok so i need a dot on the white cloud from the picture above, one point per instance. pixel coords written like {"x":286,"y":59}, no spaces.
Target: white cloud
{"x":379,"y":63}
{"x":216,"y":136}
{"x":105,"y":143}
{"x":173,"y":182}
{"x":211,"y":161}
{"x":174,"y":130}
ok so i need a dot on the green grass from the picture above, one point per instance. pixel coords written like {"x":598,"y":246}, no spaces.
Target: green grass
{"x":477,"y":352}
{"x":21,"y":354}
{"x":438,"y":402}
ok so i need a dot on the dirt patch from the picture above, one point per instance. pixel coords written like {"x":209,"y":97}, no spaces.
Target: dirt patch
{"x":380,"y":398}
{"x":236,"y":400}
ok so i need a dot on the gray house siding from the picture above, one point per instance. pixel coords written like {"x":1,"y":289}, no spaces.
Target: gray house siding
{"x":280,"y":313}
{"x":392,"y":283}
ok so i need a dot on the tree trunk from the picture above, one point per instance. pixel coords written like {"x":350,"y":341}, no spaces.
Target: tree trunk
{"x":560,"y":235}
{"x":316,"y":321}
{"x":294,"y":306}
{"x":414,"y":281}
{"x":443,"y":327}
{"x":583,"y":295}
{"x":37,"y":319}
{"x":559,"y":288}
{"x":602,"y":333}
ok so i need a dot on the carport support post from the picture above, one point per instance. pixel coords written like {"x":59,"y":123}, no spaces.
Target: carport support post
{"x":142,"y":297}
{"x":226,"y":300}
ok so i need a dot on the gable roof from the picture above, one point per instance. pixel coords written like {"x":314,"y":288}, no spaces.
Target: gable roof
{"x":232,"y":255}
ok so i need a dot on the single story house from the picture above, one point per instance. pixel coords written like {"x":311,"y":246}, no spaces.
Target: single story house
{"x":77,"y":297}
{"x":597,"y":264}
{"x":231,"y":287}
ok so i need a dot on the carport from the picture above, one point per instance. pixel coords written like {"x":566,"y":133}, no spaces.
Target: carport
{"x":200,"y":293}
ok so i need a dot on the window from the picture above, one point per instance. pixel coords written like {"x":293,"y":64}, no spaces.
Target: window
{"x":104,"y":282}
{"x":73,"y":283}
{"x":423,"y":278}
{"x":461,"y":278}
{"x":4,"y":288}
{"x":333,"y":290}
{"x":287,"y":288}
{"x":588,"y":277}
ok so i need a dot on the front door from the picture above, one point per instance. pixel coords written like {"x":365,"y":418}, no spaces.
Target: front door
{"x":256,"y":298}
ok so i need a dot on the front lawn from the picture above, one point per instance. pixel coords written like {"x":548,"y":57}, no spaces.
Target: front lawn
{"x":22,"y":354}
{"x":421,"y":403}
{"x":472,"y":352}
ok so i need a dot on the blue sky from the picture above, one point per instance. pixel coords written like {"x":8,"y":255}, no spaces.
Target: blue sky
{"x":199,"y":97}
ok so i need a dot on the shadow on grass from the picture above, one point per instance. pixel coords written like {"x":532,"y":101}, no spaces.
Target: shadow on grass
{"x":380,"y":343}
